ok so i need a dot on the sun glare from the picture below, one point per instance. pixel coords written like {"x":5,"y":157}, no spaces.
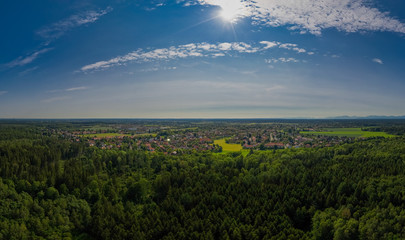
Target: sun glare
{"x":228,"y":15}
{"x":230,"y":9}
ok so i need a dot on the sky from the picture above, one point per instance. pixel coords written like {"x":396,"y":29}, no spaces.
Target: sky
{"x":202,"y":58}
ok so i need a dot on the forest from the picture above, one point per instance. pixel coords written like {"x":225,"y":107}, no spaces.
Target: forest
{"x":55,"y":188}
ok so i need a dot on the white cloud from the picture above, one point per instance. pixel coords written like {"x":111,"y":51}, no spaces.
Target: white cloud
{"x":21,"y":61}
{"x":191,"y":50}
{"x":281,"y":60}
{"x":377,"y":60}
{"x":314,"y":16}
{"x":154,"y":69}
{"x":218,"y":55}
{"x":292,"y":46}
{"x":224,"y":46}
{"x":269,"y":44}
{"x":75,"y":89}
{"x":68,"y":89}
{"x":58,"y":29}
{"x":274,"y":88}
{"x":3,"y":92}
{"x":288,"y":46}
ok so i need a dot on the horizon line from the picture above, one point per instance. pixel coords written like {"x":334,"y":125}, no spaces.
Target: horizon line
{"x":217,"y":118}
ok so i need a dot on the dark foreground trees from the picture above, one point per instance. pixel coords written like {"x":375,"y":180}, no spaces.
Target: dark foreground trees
{"x":54,"y":189}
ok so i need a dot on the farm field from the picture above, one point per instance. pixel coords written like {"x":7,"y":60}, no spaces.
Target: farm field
{"x":348,"y":132}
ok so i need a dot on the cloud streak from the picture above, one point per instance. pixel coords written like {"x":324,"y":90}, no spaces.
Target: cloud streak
{"x":191,"y":50}
{"x":377,"y":60}
{"x":21,"y":61}
{"x":281,"y":60}
{"x":314,"y":16}
{"x":75,"y":89}
{"x":55,"y":31}
{"x":55,"y":99}
{"x":62,"y":98}
{"x":3,"y":92}
{"x":58,"y":29}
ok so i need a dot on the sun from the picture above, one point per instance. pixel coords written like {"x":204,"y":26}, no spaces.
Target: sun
{"x":231,"y":10}
{"x":228,"y":15}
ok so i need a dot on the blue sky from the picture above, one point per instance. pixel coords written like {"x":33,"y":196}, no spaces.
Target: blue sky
{"x":202,"y":58}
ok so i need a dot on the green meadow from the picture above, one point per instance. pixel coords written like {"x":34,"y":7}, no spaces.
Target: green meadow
{"x":145,"y":135}
{"x":348,"y":132}
{"x":226,"y":147}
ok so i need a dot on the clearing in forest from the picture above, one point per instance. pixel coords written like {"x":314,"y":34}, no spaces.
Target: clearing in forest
{"x":226,"y":147}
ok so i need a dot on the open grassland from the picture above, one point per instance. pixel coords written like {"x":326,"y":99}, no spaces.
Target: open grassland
{"x":348,"y":132}
{"x":226,"y":147}
{"x":146,"y":135}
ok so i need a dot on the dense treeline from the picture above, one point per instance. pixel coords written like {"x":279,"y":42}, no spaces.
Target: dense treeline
{"x":51,"y":188}
{"x":393,"y":129}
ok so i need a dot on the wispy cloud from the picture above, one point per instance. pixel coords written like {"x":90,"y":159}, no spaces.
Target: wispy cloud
{"x":274,"y":88}
{"x":58,"y":29}
{"x":62,"y":98}
{"x":154,"y":6}
{"x":191,"y":50}
{"x":314,"y":16}
{"x":24,"y":60}
{"x":55,"y":99}
{"x":292,"y":46}
{"x":76,"y":89}
{"x":68,"y":89}
{"x":26,"y":71}
{"x":289,"y":46}
{"x":154,"y":69}
{"x":377,"y":60}
{"x":3,"y":92}
{"x":281,"y":60}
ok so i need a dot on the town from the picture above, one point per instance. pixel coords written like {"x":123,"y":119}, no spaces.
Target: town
{"x":175,"y":137}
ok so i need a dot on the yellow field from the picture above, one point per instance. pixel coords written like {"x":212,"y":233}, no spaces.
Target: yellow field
{"x":228,"y":147}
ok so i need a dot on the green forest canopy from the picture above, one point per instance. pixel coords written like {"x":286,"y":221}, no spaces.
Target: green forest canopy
{"x":51,"y":188}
